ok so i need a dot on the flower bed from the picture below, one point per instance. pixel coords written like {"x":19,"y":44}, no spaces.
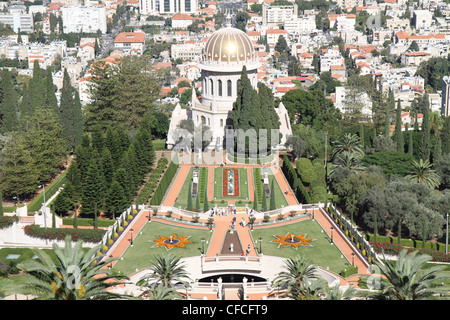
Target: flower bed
{"x":87,"y":235}
{"x":172,"y":241}
{"x":395,"y":248}
{"x":292,"y":240}
{"x":7,"y":221}
{"x":235,"y":183}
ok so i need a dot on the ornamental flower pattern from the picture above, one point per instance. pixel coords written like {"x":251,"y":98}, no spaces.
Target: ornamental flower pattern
{"x":225,"y":182}
{"x":292,"y":240}
{"x":172,"y":241}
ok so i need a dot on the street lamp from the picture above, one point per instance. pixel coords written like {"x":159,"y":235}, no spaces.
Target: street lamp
{"x":111,"y":264}
{"x":353,"y":259}
{"x":325,"y":166}
{"x":331,"y":229}
{"x":313,"y":206}
{"x":203,"y":245}
{"x":131,"y":236}
{"x":260,"y":244}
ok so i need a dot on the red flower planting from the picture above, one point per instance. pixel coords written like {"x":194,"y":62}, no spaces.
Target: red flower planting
{"x":225,"y":183}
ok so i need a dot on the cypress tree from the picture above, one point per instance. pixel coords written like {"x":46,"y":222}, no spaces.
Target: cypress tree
{"x":8,"y":106}
{"x":53,"y":220}
{"x":273,"y":204}
{"x":189,"y":199}
{"x":197,"y":203}
{"x":255,"y":200}
{"x":97,"y":140}
{"x":50,"y":96}
{"x":426,"y":123}
{"x":446,"y":136}
{"x":77,"y":119}
{"x":398,"y":129}
{"x":437,"y":146}
{"x":410,"y":144}
{"x":37,"y":87}
{"x":26,"y":108}
{"x":1,"y":203}
{"x":122,"y":177}
{"x":264,"y":203}
{"x":389,"y":106}
{"x":205,"y":202}
{"x":75,"y":218}
{"x":67,"y":111}
{"x":113,"y":144}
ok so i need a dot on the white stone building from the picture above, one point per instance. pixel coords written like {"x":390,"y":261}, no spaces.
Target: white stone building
{"x":226,"y":52}
{"x":88,"y":19}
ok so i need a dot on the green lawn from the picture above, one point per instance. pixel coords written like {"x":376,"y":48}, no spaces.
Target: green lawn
{"x":142,"y":254}
{"x":321,"y":253}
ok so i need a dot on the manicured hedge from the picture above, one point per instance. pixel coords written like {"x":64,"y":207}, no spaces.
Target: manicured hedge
{"x":395,"y":248}
{"x":87,"y":235}
{"x":164,"y":184}
{"x":153,"y":180}
{"x":294,"y":181}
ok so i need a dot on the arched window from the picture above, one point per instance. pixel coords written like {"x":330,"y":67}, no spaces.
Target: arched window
{"x":203,"y":120}
{"x":220,"y":87}
{"x":212,"y":86}
{"x":221,"y":122}
{"x":229,"y":88}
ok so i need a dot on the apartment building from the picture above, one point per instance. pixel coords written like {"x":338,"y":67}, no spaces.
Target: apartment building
{"x":278,"y":14}
{"x":156,"y":7}
{"x":80,"y":18}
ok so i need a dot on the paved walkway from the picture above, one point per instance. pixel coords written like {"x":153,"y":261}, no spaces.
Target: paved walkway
{"x":176,"y":186}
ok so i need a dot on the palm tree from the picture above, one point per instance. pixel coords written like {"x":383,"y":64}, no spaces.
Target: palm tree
{"x":167,"y":269}
{"x":299,"y":271}
{"x":349,"y":143}
{"x":335,"y":293}
{"x":421,"y":172}
{"x":75,"y":274}
{"x":310,"y":290}
{"x":348,"y":160}
{"x":160,"y":292}
{"x":406,"y":279}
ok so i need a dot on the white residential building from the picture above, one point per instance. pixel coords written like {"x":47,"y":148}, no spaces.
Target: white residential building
{"x":278,"y":14}
{"x":422,"y":18}
{"x":156,"y":7}
{"x":86,"y":19}
{"x":190,"y":51}
{"x":18,"y":20}
{"x":300,"y":25}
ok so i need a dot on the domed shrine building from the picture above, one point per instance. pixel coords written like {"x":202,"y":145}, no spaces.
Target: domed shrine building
{"x":226,"y":52}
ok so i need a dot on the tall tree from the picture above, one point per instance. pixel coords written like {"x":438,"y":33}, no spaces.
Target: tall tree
{"x":272,"y":204}
{"x":93,"y":189}
{"x":398,"y":128}
{"x":50,"y":96}
{"x":389,"y":107}
{"x":37,"y":87}
{"x":67,"y":111}
{"x":102,"y":111}
{"x":8,"y":106}
{"x":425,"y":146}
{"x":78,"y":121}
{"x":446,"y":136}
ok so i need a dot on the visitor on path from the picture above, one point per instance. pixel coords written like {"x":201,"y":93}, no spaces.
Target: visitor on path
{"x":248,"y":249}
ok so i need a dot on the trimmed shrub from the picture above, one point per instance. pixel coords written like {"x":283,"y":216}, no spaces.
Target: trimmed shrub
{"x":87,"y":235}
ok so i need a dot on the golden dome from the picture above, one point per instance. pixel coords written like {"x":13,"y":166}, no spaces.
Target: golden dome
{"x":229,"y":45}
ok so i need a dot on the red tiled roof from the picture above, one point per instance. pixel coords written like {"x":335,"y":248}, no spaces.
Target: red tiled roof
{"x":130,"y":37}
